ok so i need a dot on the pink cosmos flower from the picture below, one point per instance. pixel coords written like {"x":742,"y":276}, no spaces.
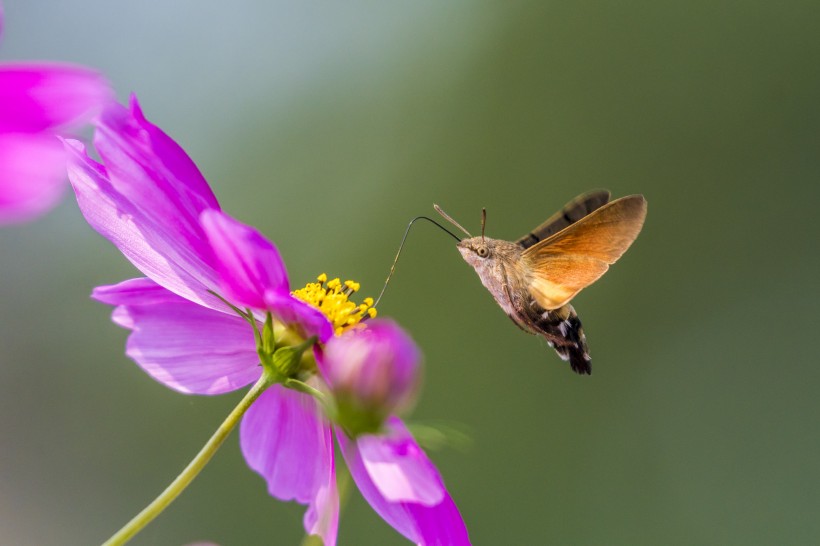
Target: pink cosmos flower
{"x":38,"y":101}
{"x":150,"y":200}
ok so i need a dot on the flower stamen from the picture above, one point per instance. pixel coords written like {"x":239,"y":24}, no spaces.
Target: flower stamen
{"x":331,"y":297}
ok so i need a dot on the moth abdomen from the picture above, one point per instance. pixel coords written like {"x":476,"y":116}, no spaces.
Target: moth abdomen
{"x":562,"y":329}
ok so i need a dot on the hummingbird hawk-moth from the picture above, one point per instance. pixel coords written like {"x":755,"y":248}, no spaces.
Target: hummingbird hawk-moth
{"x":534,"y":278}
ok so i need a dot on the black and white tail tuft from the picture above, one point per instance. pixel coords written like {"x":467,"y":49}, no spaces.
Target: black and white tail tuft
{"x":564,"y":333}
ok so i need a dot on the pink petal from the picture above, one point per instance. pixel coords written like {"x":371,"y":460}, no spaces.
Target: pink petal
{"x":184,"y":346}
{"x":48,"y":96}
{"x":152,"y":171}
{"x":284,"y":438}
{"x":400,"y":470}
{"x":32,"y":175}
{"x":139,"y":291}
{"x":171,"y":252}
{"x":298,"y":314}
{"x":397,"y":469}
{"x":322,"y":515}
{"x":248,"y":264}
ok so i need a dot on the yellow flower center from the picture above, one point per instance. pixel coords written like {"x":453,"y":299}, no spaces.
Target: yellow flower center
{"x":331,"y":298}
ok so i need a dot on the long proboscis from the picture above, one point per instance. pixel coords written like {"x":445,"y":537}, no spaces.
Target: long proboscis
{"x":401,"y":246}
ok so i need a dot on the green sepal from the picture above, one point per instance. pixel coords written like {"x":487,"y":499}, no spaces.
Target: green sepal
{"x":266,"y":343}
{"x":287,"y":360}
{"x":301,"y":386}
{"x":268,"y":338}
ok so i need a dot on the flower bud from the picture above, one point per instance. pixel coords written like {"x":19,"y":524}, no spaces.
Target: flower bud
{"x":372,"y":372}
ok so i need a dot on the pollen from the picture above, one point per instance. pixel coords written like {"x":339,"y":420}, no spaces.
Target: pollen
{"x":331,"y":297}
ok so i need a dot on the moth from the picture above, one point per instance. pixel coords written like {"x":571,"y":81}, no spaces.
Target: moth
{"x":534,"y":278}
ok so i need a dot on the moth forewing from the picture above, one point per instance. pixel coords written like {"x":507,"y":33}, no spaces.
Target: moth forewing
{"x":575,"y":257}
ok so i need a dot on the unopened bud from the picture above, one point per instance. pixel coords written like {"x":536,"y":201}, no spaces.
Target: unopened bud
{"x":372,"y":373}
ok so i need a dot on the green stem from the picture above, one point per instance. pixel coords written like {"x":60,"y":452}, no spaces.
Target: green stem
{"x":194,"y":467}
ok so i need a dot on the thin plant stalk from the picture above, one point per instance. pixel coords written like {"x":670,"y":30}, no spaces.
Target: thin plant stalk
{"x":150,"y":512}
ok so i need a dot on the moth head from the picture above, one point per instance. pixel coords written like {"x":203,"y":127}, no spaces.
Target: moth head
{"x":475,"y":250}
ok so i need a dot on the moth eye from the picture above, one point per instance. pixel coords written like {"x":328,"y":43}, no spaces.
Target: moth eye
{"x":482,"y":251}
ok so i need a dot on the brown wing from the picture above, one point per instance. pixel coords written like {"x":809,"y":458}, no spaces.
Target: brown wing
{"x":575,"y":257}
{"x":569,"y":214}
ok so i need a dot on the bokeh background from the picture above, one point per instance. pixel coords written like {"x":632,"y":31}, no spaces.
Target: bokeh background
{"x":328,"y":126}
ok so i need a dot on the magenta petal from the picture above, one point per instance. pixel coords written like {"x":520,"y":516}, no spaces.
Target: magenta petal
{"x":48,"y":96}
{"x":400,"y":470}
{"x":439,"y":524}
{"x":139,"y":291}
{"x":248,"y":264}
{"x":153,"y":245}
{"x":151,"y":184}
{"x":184,"y":346}
{"x":322,"y":516}
{"x":152,"y":171}
{"x":298,"y":314}
{"x":284,"y":438}
{"x":32,"y":175}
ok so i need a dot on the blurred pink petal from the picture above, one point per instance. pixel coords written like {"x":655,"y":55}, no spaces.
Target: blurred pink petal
{"x":38,"y":97}
{"x":169,"y":250}
{"x":398,"y":469}
{"x":32,"y":175}
{"x":36,"y":101}
{"x":322,"y":515}
{"x":285,"y":440}
{"x":248,"y":264}
{"x":187,"y":347}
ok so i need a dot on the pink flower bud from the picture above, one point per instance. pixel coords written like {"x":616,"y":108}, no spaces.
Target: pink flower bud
{"x":372,"y":373}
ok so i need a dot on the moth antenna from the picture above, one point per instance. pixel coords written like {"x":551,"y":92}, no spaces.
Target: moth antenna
{"x":401,"y":246}
{"x":447,"y":217}
{"x":483,"y":223}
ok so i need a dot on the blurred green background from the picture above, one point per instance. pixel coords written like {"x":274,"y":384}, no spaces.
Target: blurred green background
{"x":328,"y":126}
